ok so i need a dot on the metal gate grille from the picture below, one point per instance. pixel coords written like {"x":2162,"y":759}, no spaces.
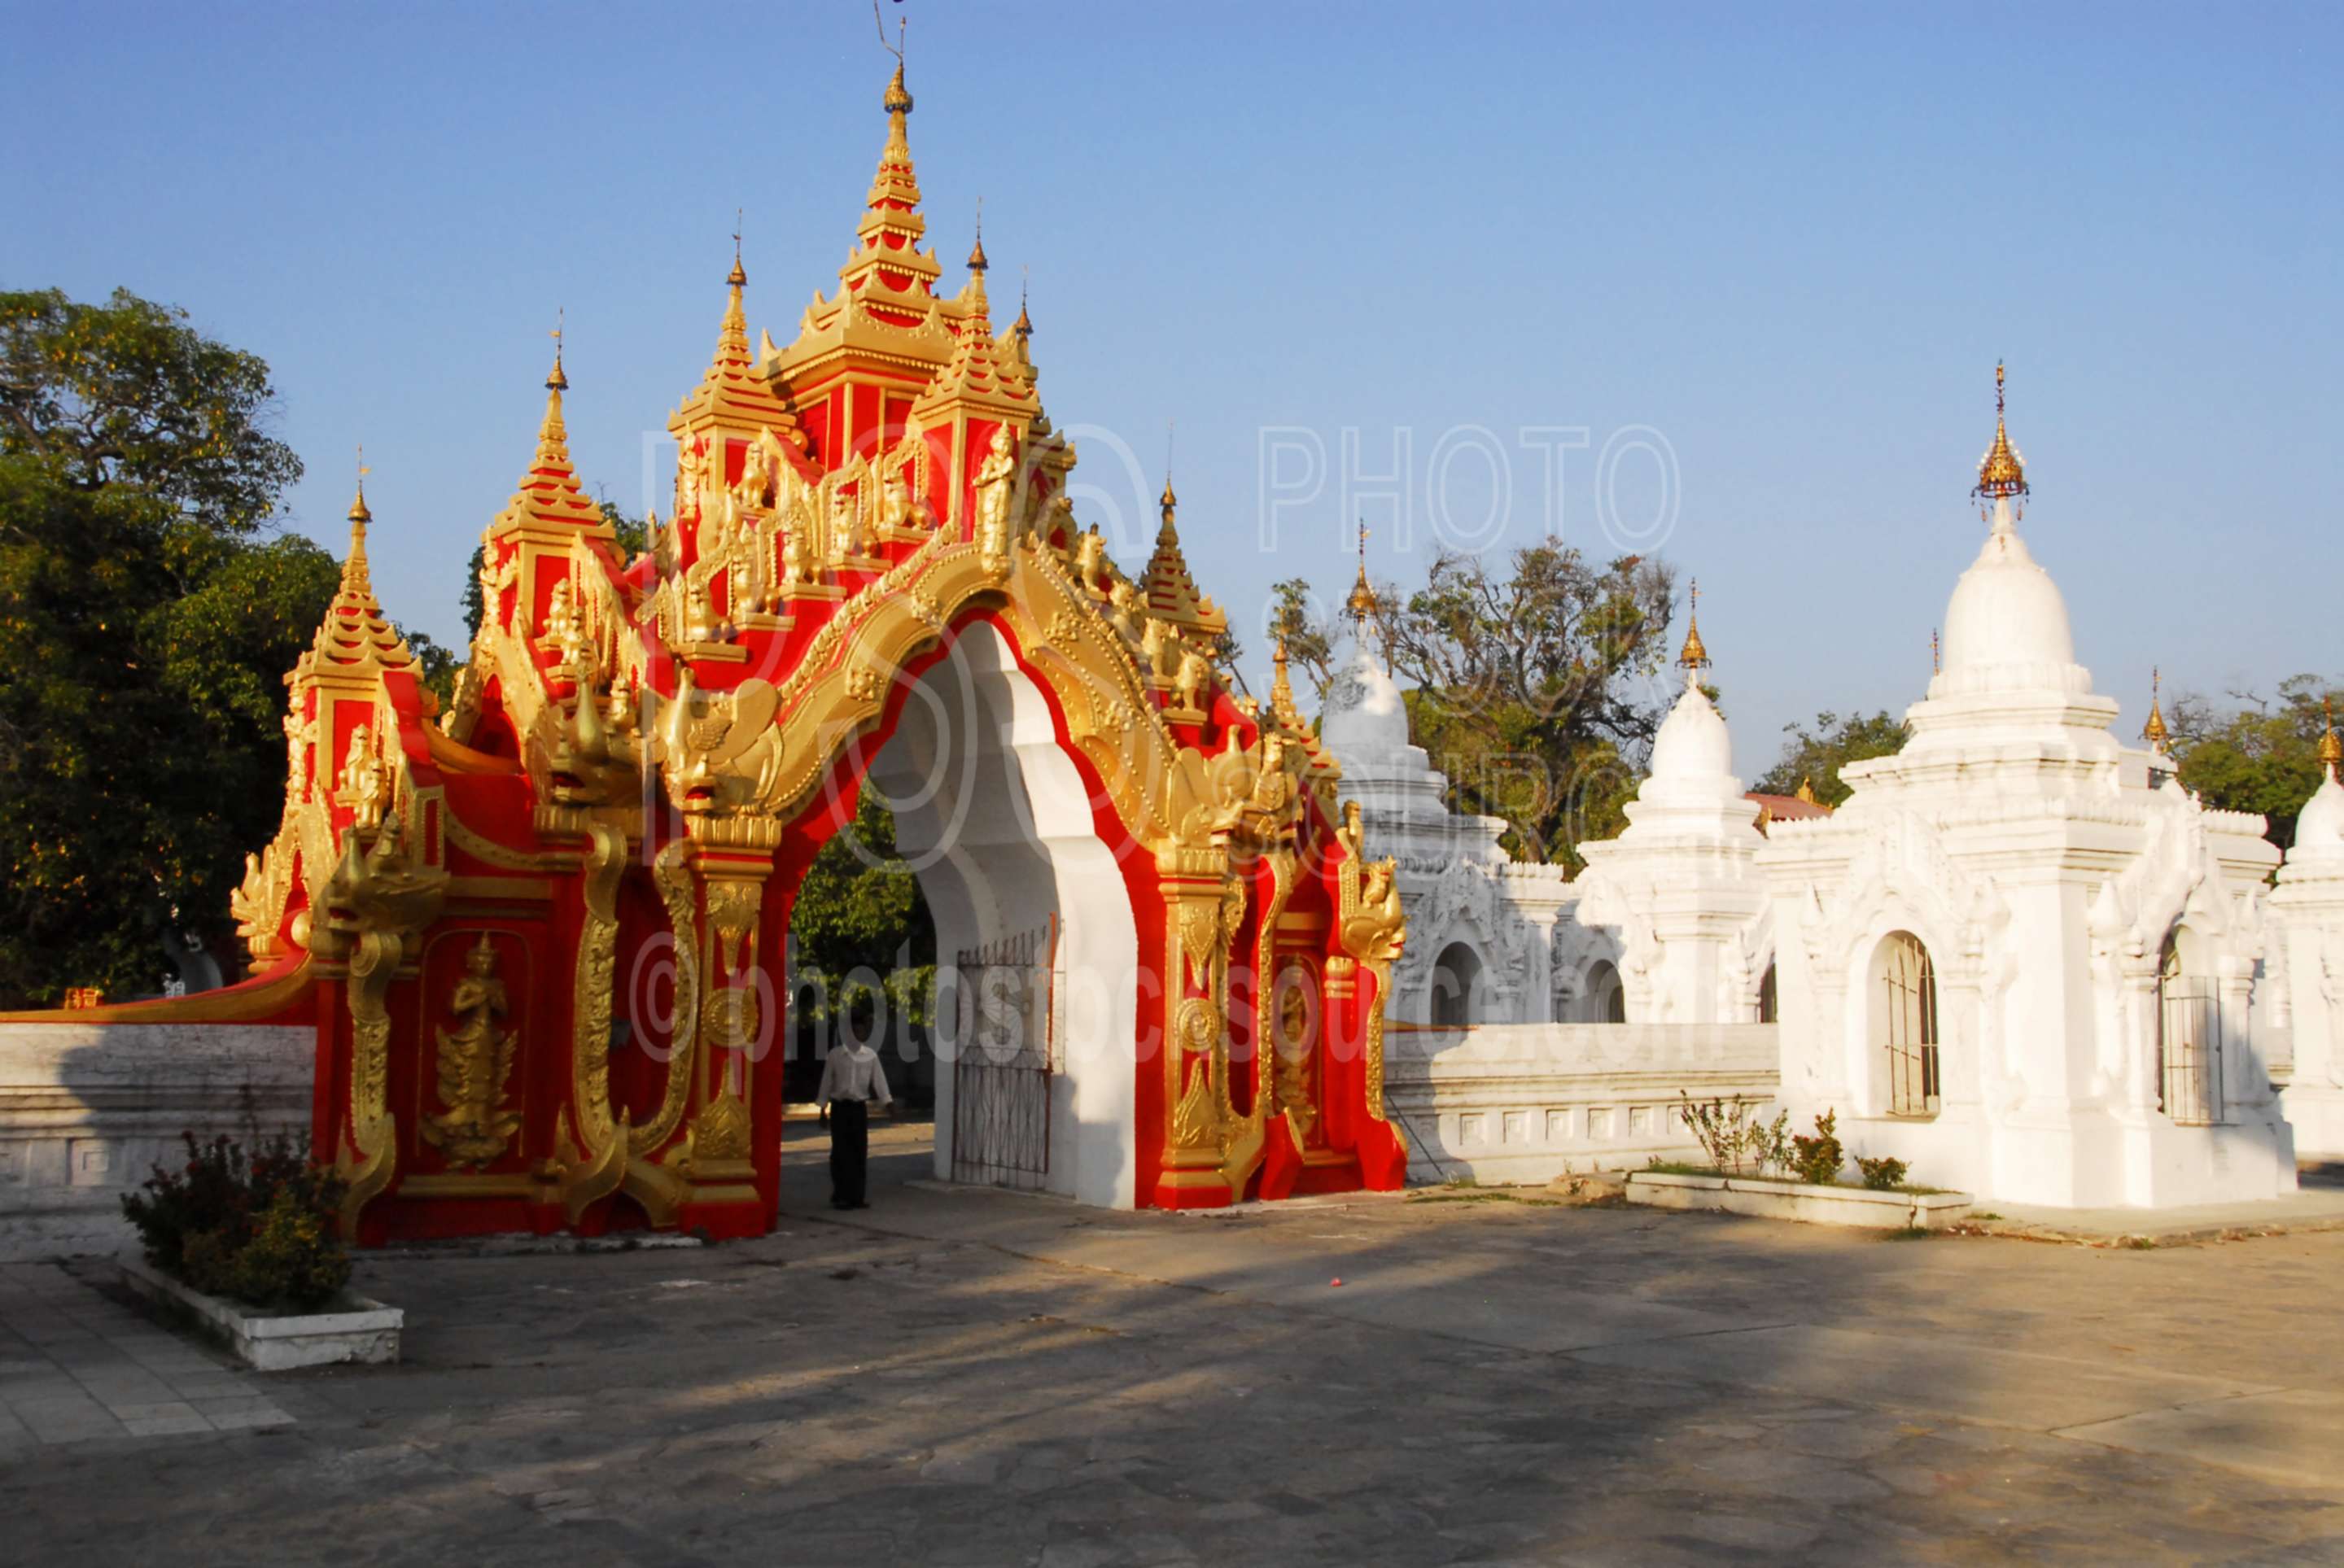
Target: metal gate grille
{"x":1908,"y":1006}
{"x":2188,"y":1051}
{"x":1008,"y":1017}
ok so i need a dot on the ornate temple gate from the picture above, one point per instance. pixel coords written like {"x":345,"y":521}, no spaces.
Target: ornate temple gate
{"x":1007,"y":1056}
{"x":540,"y":935}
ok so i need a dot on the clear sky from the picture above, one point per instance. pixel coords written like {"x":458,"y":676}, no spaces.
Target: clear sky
{"x":1791,"y":240}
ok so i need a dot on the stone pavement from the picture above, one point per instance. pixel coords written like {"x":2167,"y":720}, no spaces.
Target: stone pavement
{"x":981,"y":1377}
{"x":75,"y":1366}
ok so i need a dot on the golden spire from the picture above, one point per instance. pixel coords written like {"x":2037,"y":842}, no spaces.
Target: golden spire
{"x":2331,"y":748}
{"x":1166,"y":587}
{"x":1695,"y":656}
{"x":1282,"y":685}
{"x":1024,"y":325}
{"x":2154,"y":731}
{"x":358,"y":513}
{"x":976,"y":262}
{"x":2002,"y":472}
{"x":356,"y":579}
{"x":1363,"y":603}
{"x":737,"y":278}
{"x":553,"y":435}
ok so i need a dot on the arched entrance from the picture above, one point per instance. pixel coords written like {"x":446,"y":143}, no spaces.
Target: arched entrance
{"x":997,"y":824}
{"x":1604,"y":999}
{"x":1456,"y":987}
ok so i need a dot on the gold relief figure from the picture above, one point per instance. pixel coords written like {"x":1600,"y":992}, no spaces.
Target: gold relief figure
{"x":476,"y":1061}
{"x":895,"y":498}
{"x":1155,"y":645}
{"x":1123,"y":605}
{"x":1196,"y":675}
{"x":1293,"y":1044}
{"x":561,"y":629}
{"x":797,"y":556}
{"x":362,"y":786}
{"x":995,"y":478}
{"x":1090,"y":558}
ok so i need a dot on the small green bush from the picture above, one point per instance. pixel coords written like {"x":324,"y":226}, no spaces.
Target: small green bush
{"x":1729,"y":1132}
{"x":1817,"y":1160}
{"x":255,"y":1223}
{"x":1882,"y":1174}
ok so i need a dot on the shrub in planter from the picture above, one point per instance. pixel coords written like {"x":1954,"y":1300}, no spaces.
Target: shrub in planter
{"x":1816,"y":1161}
{"x":255,"y":1223}
{"x":1732,"y":1137}
{"x":1882,"y":1174}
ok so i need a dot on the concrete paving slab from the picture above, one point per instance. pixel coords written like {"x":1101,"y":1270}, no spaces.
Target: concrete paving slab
{"x":2011,"y":1388}
{"x":2289,"y":1435}
{"x":2312,"y":1209}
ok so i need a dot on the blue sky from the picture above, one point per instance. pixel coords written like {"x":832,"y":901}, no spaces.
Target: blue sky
{"x":1792,"y":240}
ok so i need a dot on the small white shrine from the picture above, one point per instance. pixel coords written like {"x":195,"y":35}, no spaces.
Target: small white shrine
{"x":2305,"y":963}
{"x":2021,"y":957}
{"x":1674,"y":906}
{"x":1480,"y":925}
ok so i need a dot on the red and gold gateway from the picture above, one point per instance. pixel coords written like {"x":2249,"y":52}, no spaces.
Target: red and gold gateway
{"x":542,"y":935}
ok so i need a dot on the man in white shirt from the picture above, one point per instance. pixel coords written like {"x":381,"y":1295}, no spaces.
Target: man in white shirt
{"x":852,"y":1080}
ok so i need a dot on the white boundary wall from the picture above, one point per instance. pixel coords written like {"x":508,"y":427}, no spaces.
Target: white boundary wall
{"x":1529,"y":1102}
{"x":86,"y":1110}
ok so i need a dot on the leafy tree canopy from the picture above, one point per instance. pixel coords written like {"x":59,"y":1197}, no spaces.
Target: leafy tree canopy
{"x":1530,"y":687}
{"x":147,"y":617}
{"x":2261,"y":755}
{"x":1815,"y":753}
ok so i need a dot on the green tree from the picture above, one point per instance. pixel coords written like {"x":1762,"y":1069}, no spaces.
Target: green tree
{"x":860,"y":907}
{"x":2261,"y":756}
{"x":1814,"y":753}
{"x":1309,"y":638}
{"x":1532,"y":690}
{"x":147,"y":620}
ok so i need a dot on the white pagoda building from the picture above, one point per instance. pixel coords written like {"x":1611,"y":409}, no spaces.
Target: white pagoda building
{"x":2021,"y":957}
{"x":1480,"y":924}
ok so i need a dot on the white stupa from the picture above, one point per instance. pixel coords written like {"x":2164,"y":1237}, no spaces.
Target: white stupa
{"x":2021,"y":957}
{"x":1677,"y":897}
{"x":1480,"y":924}
{"x":2307,"y":950}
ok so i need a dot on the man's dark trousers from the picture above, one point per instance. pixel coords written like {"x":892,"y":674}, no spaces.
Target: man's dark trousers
{"x":850,"y":1149}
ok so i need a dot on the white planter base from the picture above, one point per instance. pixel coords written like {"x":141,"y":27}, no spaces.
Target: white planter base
{"x":364,"y":1331}
{"x":1795,"y":1200}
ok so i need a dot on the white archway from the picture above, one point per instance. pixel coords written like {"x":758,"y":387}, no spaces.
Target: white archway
{"x":994,"y":819}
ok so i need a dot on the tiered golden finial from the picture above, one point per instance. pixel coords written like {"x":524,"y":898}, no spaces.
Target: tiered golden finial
{"x":2002,"y":472}
{"x":355,"y":577}
{"x":2331,"y":748}
{"x":2155,"y":732}
{"x":553,"y":435}
{"x":1024,"y":325}
{"x":1166,"y":587}
{"x":1363,"y":603}
{"x":738,"y":277}
{"x":976,"y":262}
{"x":1695,"y":656}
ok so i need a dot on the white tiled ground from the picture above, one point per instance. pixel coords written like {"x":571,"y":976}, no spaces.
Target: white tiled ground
{"x":74,"y":1366}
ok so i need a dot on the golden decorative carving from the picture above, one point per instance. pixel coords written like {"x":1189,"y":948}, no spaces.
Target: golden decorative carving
{"x":728,"y":1018}
{"x":594,"y":1142}
{"x":475,"y":1062}
{"x":673,"y":877}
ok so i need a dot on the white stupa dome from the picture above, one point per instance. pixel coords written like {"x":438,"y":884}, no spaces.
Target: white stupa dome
{"x":1694,"y":742}
{"x":2006,"y":620}
{"x":2320,"y":828}
{"x":1365,"y":719}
